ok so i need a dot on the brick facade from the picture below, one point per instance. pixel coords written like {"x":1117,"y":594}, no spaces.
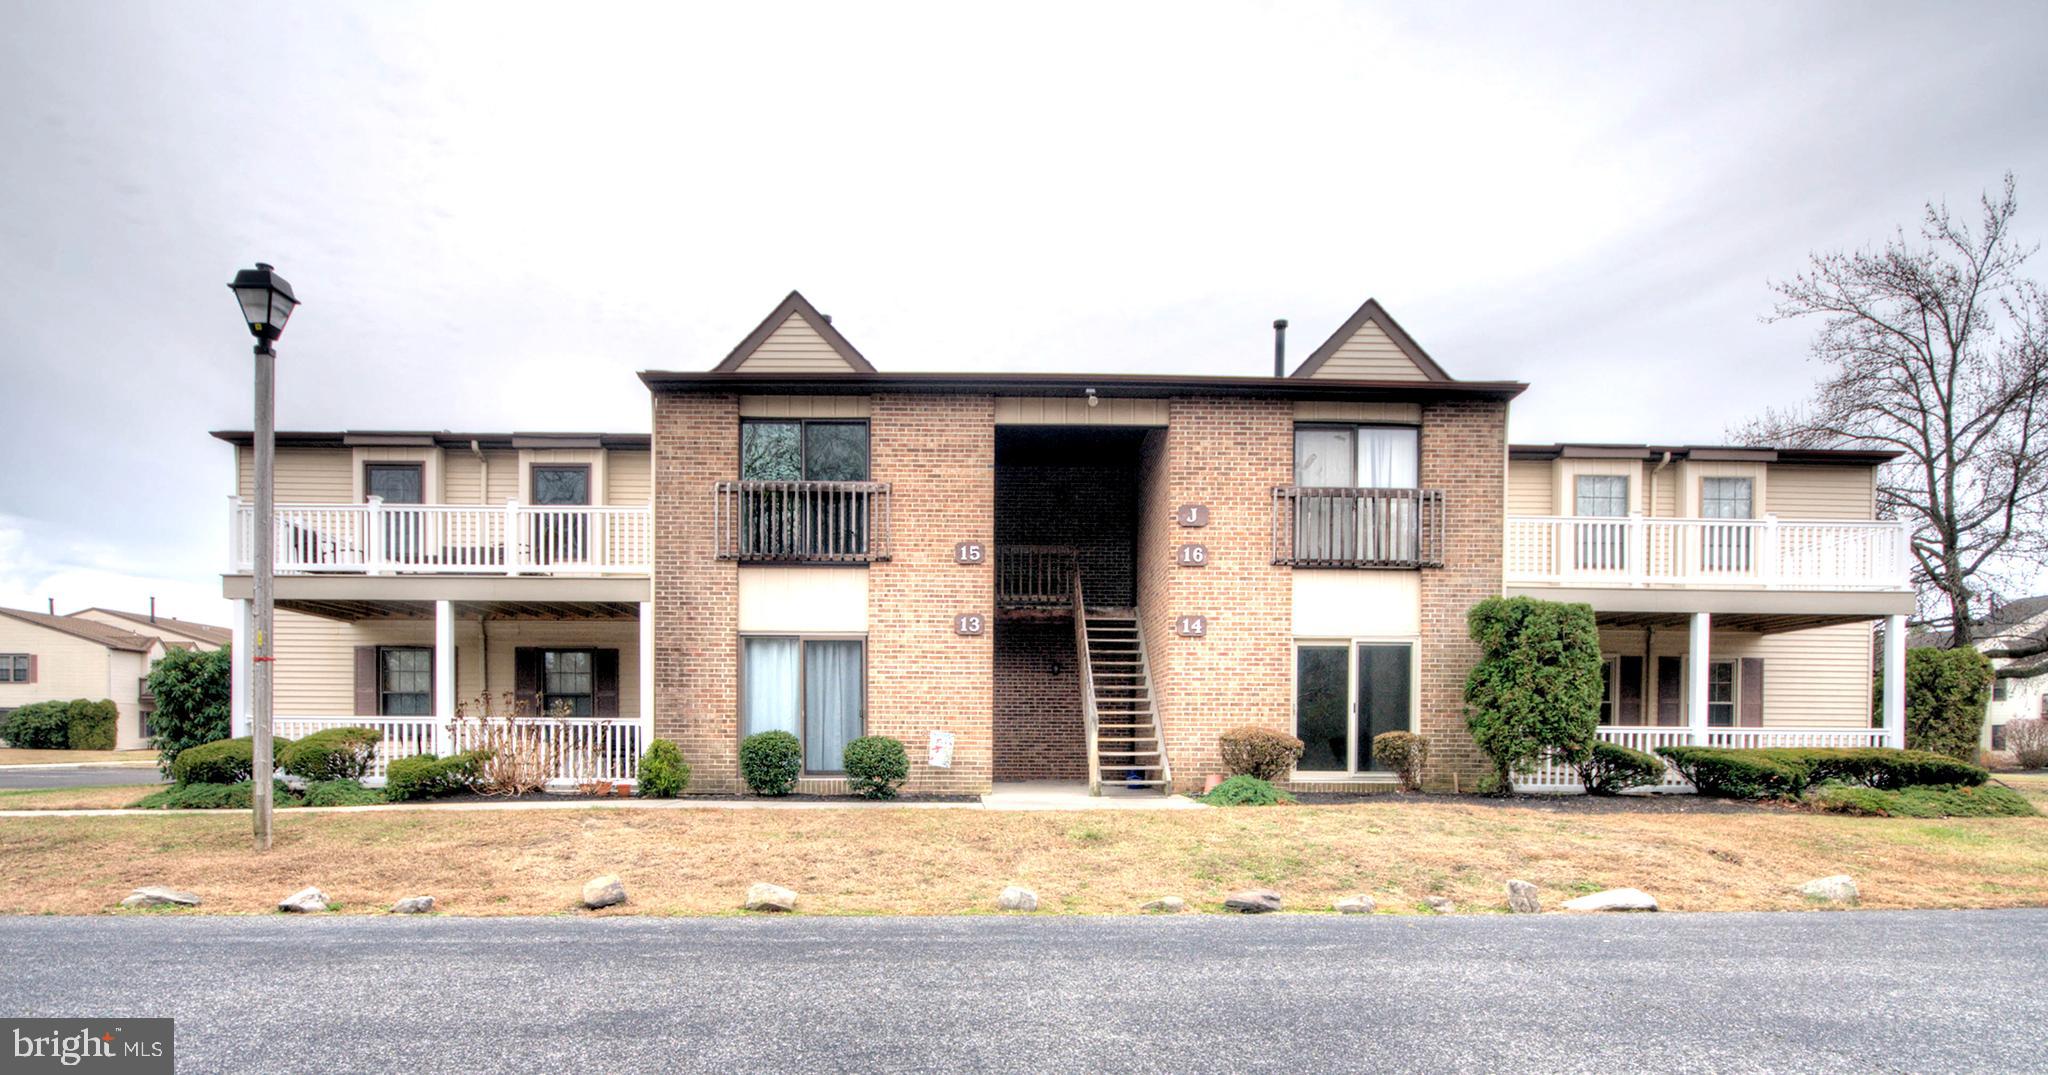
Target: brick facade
{"x":938,"y":453}
{"x":1038,"y":726}
{"x":696,"y":595}
{"x":1464,"y":453}
{"x":1227,"y":454}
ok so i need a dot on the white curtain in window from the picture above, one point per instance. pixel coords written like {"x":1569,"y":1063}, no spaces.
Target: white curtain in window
{"x":770,"y":675}
{"x":832,"y":709}
{"x":1386,"y":458}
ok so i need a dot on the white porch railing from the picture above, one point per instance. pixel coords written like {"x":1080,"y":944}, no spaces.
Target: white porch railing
{"x":1553,"y":777}
{"x":1768,"y":553}
{"x":585,"y":749}
{"x":512,"y":539}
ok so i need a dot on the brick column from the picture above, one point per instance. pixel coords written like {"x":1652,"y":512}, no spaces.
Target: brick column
{"x":1464,"y":453}
{"x":696,"y":595}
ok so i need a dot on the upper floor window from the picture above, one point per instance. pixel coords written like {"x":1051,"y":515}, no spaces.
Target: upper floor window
{"x":802,"y":450}
{"x":15,"y":668}
{"x":561,"y":484}
{"x":1365,"y":457}
{"x":1603,"y":495}
{"x":1727,"y":498}
{"x":395,"y":483}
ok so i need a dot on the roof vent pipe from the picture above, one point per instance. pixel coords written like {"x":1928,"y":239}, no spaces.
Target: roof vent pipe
{"x":1280,"y":348}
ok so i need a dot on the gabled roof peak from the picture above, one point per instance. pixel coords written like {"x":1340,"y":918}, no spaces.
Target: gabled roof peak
{"x":1371,"y":343}
{"x":794,"y":337}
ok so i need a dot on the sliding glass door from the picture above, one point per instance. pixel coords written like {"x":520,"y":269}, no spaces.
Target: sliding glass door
{"x":812,"y":688}
{"x":1344,"y":694}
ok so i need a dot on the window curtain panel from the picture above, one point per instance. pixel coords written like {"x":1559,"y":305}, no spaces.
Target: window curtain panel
{"x":772,"y":683}
{"x":1388,"y":526}
{"x":832,"y":703}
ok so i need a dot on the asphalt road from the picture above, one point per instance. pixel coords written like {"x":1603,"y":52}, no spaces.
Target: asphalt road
{"x":76,"y":776}
{"x":1914,"y":991}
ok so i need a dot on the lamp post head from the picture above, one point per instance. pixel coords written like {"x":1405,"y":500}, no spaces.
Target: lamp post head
{"x":266,"y":299}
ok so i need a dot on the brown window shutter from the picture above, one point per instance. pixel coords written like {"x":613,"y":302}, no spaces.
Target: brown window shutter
{"x":31,"y":668}
{"x":1628,"y":698}
{"x":366,"y":681}
{"x":604,"y":669}
{"x":1670,"y":685}
{"x":1752,"y":707}
{"x":526,"y":677}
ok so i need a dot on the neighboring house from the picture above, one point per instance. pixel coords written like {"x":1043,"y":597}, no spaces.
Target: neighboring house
{"x":47,"y":658}
{"x":2014,"y":635}
{"x":1080,"y":577}
{"x":175,"y":633}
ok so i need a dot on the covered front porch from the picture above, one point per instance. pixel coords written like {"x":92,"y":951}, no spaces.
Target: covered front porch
{"x":442,"y":666}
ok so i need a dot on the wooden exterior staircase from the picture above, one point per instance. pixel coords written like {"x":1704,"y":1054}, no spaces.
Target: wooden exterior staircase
{"x":1124,"y":746}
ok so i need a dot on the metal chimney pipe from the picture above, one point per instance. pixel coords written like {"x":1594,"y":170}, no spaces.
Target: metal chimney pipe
{"x":1280,"y":348}
{"x":152,"y":608}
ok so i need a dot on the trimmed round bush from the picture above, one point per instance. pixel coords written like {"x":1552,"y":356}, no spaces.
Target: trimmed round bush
{"x":1246,"y":791}
{"x":663,"y":772}
{"x":224,"y":761}
{"x":424,"y":776}
{"x":770,"y":762}
{"x":332,"y":754}
{"x":876,"y":766}
{"x":1252,"y":750}
{"x":1611,"y":768}
{"x":39,"y":726}
{"x":1403,"y":752}
{"x":91,"y":724}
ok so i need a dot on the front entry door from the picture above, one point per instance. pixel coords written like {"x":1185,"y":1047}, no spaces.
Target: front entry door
{"x":1344,"y":694}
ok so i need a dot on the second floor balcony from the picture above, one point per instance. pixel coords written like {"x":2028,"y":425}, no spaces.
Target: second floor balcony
{"x":802,"y":522}
{"x":1741,"y":554}
{"x":376,"y":538}
{"x":1341,"y":526}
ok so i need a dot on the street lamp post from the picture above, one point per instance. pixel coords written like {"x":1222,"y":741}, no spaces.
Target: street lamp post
{"x":267,"y":303}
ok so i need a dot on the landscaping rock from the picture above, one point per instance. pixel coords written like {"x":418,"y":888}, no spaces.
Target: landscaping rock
{"x":1522,"y":898}
{"x":1165,"y":905}
{"x":413,"y":905}
{"x":1841,"y":888}
{"x":763,"y":896}
{"x":1360,"y":904}
{"x":1253,"y":901}
{"x":1614,"y":899}
{"x":1439,"y":904}
{"x":1017,"y":898}
{"x":305,"y":901}
{"x":603,"y":891}
{"x":157,"y":896}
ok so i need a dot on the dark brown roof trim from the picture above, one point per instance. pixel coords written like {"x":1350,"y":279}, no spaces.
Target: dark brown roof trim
{"x":1704,"y":453}
{"x":1373,"y":312}
{"x":794,"y":304}
{"x":1106,"y":385}
{"x":351,"y":438}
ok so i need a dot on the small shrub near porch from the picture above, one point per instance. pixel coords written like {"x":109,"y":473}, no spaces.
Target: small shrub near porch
{"x":332,"y":754}
{"x":1254,"y":751}
{"x":1790,"y":772}
{"x":1610,"y":769}
{"x":224,"y":761}
{"x":663,"y":772}
{"x":770,"y":762}
{"x":424,"y":776}
{"x":876,"y":766}
{"x":1242,"y":790}
{"x":1405,"y":753}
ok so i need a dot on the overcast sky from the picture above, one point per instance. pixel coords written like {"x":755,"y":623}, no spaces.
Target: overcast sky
{"x":496,"y":214}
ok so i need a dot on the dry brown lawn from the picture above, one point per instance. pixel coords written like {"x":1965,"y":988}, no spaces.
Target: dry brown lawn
{"x":14,"y":756}
{"x":954,"y":861}
{"x":88,"y":798}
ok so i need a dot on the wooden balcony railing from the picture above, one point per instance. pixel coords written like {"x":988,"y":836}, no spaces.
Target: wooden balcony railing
{"x":1035,"y":576}
{"x":802,"y":522}
{"x":1344,"y":527}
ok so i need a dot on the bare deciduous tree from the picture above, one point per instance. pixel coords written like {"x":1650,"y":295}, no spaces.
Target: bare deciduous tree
{"x":1936,"y":347}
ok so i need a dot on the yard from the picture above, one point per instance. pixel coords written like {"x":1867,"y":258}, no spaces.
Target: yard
{"x":945,"y":861}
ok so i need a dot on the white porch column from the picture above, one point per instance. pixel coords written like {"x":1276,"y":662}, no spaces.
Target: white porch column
{"x":444,"y":672}
{"x":1894,"y":700}
{"x":238,"y":669}
{"x":646,"y":672}
{"x":1696,"y":676}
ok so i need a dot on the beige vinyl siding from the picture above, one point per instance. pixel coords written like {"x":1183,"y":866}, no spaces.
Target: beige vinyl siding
{"x":795,"y":347}
{"x":1075,"y":411}
{"x":304,"y":475}
{"x":1817,"y":678}
{"x":316,"y":656}
{"x":629,"y":478}
{"x":1342,"y":411}
{"x":1691,"y":475}
{"x":1567,"y":471}
{"x":1369,"y":355}
{"x":1529,"y":489}
{"x":69,"y":667}
{"x":1809,"y":492}
{"x":1662,"y":489}
{"x":594,"y":458}
{"x":804,"y":406}
{"x":464,"y":476}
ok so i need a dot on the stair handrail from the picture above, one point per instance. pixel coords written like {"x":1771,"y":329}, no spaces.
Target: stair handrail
{"x":1088,"y":714}
{"x":1158,"y":725}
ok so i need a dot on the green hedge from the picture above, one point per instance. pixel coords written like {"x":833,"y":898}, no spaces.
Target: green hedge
{"x":1989,"y":801}
{"x":876,"y":766}
{"x":1788,"y":771}
{"x":1946,"y":693}
{"x":1536,"y":690}
{"x":79,"y":724}
{"x":332,"y":754}
{"x":224,"y":761}
{"x":770,"y":762}
{"x":1611,"y":768}
{"x":663,"y":772}
{"x":230,"y":796}
{"x":424,"y":776}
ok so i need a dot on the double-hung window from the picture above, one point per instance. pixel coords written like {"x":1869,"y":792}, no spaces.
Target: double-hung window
{"x":14,"y":668}
{"x":405,"y":681}
{"x":812,"y":688}
{"x":1727,"y":546}
{"x":792,"y":511}
{"x":568,"y":682}
{"x":1601,"y":545}
{"x":1357,"y":497}
{"x":1721,"y":694}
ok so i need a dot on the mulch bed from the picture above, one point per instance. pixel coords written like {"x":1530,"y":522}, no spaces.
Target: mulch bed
{"x":1559,"y":804}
